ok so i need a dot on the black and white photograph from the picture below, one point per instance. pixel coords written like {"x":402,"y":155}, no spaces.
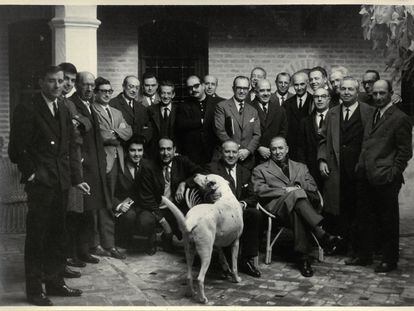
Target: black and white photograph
{"x":206,"y":155}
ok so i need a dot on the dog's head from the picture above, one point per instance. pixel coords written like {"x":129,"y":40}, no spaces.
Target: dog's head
{"x":212,"y":186}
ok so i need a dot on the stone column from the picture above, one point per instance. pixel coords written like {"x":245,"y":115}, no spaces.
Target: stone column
{"x":74,"y":36}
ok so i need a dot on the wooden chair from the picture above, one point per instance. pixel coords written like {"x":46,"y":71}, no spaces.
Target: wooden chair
{"x":271,"y":242}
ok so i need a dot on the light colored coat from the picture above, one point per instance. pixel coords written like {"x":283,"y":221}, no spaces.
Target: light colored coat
{"x":112,"y":144}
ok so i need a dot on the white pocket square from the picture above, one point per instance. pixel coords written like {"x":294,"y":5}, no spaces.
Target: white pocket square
{"x":251,"y":120}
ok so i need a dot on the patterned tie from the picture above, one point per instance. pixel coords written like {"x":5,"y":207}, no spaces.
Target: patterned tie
{"x":320,"y":120}
{"x":265,"y":108}
{"x":347,"y":114}
{"x":241,"y":108}
{"x":55,"y":110}
{"x":166,"y":172}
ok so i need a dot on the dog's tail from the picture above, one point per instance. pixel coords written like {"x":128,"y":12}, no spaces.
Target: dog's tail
{"x":177,"y":214}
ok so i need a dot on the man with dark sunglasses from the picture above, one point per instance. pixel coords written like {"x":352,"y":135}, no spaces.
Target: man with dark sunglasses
{"x":194,"y":123}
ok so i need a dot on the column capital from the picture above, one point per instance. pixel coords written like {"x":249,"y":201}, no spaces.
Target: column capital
{"x":58,"y":22}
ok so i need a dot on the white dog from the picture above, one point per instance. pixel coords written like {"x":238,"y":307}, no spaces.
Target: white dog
{"x":206,"y":225}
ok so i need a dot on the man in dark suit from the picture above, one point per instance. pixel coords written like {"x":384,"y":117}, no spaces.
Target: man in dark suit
{"x":272,"y":116}
{"x":94,"y":170}
{"x":338,"y":154}
{"x":297,"y":107}
{"x":386,"y":149}
{"x":166,"y":177}
{"x":282,"y":93}
{"x":134,"y":113}
{"x":286,"y":189}
{"x":162,"y":117}
{"x":236,"y":120}
{"x":124,"y":203}
{"x":149,"y":95}
{"x":309,"y":134}
{"x":240,"y":183}
{"x":195,"y":123}
{"x":257,"y":74}
{"x":210,"y":87}
{"x":42,"y":144}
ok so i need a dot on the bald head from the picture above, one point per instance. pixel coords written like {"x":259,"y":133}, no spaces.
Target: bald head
{"x":85,"y":83}
{"x":211,"y":83}
{"x":263,"y":90}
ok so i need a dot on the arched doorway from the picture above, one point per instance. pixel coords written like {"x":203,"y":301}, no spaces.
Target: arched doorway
{"x":173,"y":50}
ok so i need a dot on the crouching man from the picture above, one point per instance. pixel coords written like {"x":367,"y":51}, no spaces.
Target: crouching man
{"x":286,"y":189}
{"x":241,"y":186}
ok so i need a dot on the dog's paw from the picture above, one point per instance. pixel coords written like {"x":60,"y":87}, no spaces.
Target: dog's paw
{"x":236,"y":279}
{"x":203,"y":300}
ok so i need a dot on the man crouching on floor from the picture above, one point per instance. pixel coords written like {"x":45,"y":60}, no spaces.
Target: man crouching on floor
{"x":165,"y":177}
{"x":242,"y":188}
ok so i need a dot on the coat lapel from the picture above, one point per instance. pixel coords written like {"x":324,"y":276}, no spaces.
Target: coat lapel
{"x":235,"y":112}
{"x":270,"y":113}
{"x":47,"y":115}
{"x":335,"y":115}
{"x":276,"y":171}
{"x":63,"y":125}
{"x":382,"y":120}
{"x":99,"y":109}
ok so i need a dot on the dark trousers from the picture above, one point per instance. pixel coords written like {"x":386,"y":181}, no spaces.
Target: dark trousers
{"x":86,"y":223}
{"x":303,"y":219}
{"x":73,"y":221}
{"x":378,"y":208}
{"x":104,"y":226}
{"x":44,"y":254}
{"x":252,"y":232}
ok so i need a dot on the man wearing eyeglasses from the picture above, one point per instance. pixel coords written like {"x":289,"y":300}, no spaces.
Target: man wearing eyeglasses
{"x":134,"y":113}
{"x":195,"y":119}
{"x":114,"y":131}
{"x":235,"y":119}
{"x":309,"y":134}
{"x":338,"y":153}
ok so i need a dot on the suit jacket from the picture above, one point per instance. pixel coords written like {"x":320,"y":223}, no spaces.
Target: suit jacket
{"x":112,"y":143}
{"x":294,"y":116}
{"x":42,"y":145}
{"x":365,"y":98}
{"x":275,"y":99}
{"x":154,"y":116}
{"x":94,"y":159}
{"x":142,"y":99}
{"x":386,"y":148}
{"x":271,"y":125}
{"x":308,"y":143}
{"x":269,"y":182}
{"x":244,"y":188}
{"x":246,"y":128}
{"x":195,"y":139}
{"x":329,"y":151}
{"x":137,"y":117}
{"x":151,"y":183}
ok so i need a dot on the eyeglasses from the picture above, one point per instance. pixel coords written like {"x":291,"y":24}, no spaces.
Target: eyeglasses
{"x":194,"y":86}
{"x":324,"y":96}
{"x":240,"y":88}
{"x":106,"y":91}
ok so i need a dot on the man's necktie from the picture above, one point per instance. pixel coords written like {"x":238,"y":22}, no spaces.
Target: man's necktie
{"x":282,"y":100}
{"x":320,"y":121}
{"x":167,"y":176}
{"x":152,"y":100}
{"x":231,"y":170}
{"x":347,"y":114}
{"x":265,"y":108}
{"x":241,"y":108}
{"x":136,"y":170}
{"x":377,"y":117}
{"x":109,"y":114}
{"x":300,"y":103}
{"x":165,"y":116}
{"x":55,"y":110}
{"x":131,"y":104}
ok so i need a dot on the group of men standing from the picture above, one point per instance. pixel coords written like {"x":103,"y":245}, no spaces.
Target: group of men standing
{"x":106,"y":162}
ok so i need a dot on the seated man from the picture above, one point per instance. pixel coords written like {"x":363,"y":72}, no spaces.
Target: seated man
{"x":286,"y":189}
{"x":239,"y":179}
{"x":166,"y":177}
{"x":124,"y":202}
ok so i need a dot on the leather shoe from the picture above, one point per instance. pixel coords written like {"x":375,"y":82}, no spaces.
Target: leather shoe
{"x":330,"y":242}
{"x":385,"y":267}
{"x":39,"y":300}
{"x":151,"y":248}
{"x":358,"y":261}
{"x":62,"y":290}
{"x":305,"y":268}
{"x":75,"y":262}
{"x":248,"y":267}
{"x":89,"y":258}
{"x":70,"y":274}
{"x":99,"y":251}
{"x":115,"y":253}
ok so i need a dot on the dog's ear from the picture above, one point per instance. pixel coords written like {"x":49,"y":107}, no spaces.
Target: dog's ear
{"x":212,"y":185}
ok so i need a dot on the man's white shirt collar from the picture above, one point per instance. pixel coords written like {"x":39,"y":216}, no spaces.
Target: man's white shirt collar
{"x":352,"y":108}
{"x":237,"y":103}
{"x":303,"y":99}
{"x":49,"y":103}
{"x":385,"y":108}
